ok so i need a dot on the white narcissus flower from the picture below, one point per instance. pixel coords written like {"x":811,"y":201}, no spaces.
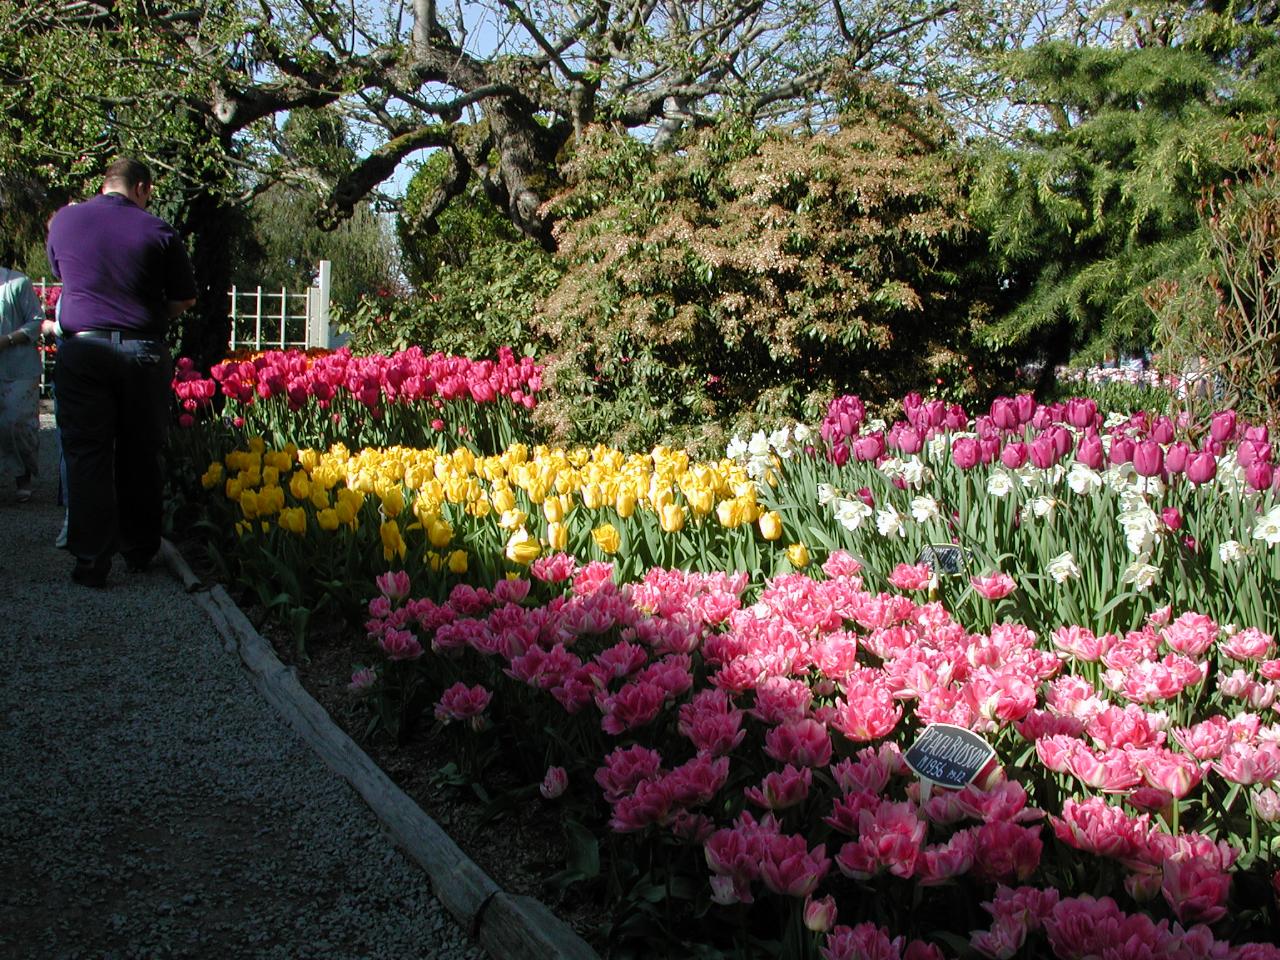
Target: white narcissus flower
{"x":999,"y":484}
{"x":1141,"y":575}
{"x":1120,"y":477}
{"x":1231,"y":551}
{"x":802,"y":433}
{"x":780,"y":440}
{"x":1114,"y":419}
{"x":1083,"y":480}
{"x":938,"y":446}
{"x":850,"y":513}
{"x":890,"y":467}
{"x":889,"y":523}
{"x":1268,"y":527}
{"x":924,"y":509}
{"x":736,"y":448}
{"x":1063,"y":567}
{"x":758,"y":445}
{"x":914,"y":472}
{"x":1043,"y":507}
{"x":826,"y":494}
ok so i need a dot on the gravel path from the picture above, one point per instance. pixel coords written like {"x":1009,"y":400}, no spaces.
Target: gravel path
{"x":151,"y":805}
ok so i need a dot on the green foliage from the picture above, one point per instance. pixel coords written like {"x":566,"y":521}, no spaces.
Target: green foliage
{"x":471,"y":309}
{"x":468,"y":226}
{"x":1087,"y":211}
{"x":752,"y":275}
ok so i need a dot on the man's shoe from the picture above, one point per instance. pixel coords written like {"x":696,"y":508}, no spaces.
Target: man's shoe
{"x":87,"y":573}
{"x":137,"y":560}
{"x":61,"y":540}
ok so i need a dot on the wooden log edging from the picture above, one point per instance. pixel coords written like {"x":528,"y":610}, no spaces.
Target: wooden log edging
{"x":509,"y":927}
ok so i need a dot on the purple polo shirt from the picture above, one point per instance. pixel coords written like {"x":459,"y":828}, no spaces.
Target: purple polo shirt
{"x":119,"y":266}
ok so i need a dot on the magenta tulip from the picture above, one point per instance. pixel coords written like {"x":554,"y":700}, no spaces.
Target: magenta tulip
{"x":1121,"y":450}
{"x":1026,"y":406}
{"x":1004,"y":414}
{"x":1082,"y":412}
{"x":1259,"y":475}
{"x":1175,"y":458}
{"x":1148,"y":458}
{"x":1222,"y":426}
{"x":1202,"y":467}
{"x":1043,"y":452}
{"x":965,"y":453}
{"x":1089,"y":451}
{"x":1162,"y":430}
{"x":869,"y":446}
{"x":1014,"y":455}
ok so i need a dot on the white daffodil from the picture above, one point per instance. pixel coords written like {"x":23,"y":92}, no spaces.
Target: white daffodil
{"x":999,"y":484}
{"x":758,"y":445}
{"x":890,"y":467}
{"x":889,"y":523}
{"x":1231,"y":551}
{"x":801,"y":433}
{"x":1120,"y":477}
{"x":915,"y":473}
{"x":1043,"y":507}
{"x":1063,"y":567}
{"x":938,"y":446}
{"x":780,"y":440}
{"x":924,"y":509}
{"x":737,"y":448}
{"x":1114,"y":419}
{"x":1141,"y":575}
{"x":1268,"y":527}
{"x":826,"y":494}
{"x":850,"y":513}
{"x":1083,"y":480}
{"x":1140,"y":526}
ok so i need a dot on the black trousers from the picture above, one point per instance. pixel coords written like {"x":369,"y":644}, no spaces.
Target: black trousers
{"x":113,"y":412}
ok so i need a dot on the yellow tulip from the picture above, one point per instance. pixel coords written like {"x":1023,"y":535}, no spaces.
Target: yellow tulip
{"x":270,"y":476}
{"x":270,"y":500}
{"x":233,"y":488}
{"x":770,"y":525}
{"x":553,"y":509}
{"x":393,"y":544}
{"x":607,"y":538}
{"x":392,"y":502}
{"x":319,"y":497}
{"x":439,"y":532}
{"x":328,"y":519}
{"x":798,"y":554}
{"x":557,"y":536}
{"x":249,"y":504}
{"x":522,"y":548}
{"x":293,"y":519}
{"x":213,"y":476}
{"x":300,"y":486}
{"x":592,"y":496}
{"x":625,"y":503}
{"x":503,"y":499}
{"x":672,"y":518}
{"x":729,"y":513}
{"x":257,"y":445}
{"x":511,"y":519}
{"x":308,"y":459}
{"x":458,"y":561}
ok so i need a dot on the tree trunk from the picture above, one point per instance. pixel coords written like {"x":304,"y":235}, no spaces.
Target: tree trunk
{"x":206,"y":328}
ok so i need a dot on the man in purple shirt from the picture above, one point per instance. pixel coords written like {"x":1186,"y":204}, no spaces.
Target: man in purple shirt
{"x":125,"y":276}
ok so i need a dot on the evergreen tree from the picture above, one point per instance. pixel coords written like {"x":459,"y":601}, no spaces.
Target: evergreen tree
{"x":1090,"y":208}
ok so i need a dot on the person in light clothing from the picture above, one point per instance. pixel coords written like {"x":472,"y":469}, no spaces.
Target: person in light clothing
{"x":20,"y":319}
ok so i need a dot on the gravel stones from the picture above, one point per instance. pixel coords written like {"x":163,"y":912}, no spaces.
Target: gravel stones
{"x":151,"y":805}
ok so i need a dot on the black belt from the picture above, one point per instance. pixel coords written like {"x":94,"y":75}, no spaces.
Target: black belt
{"x":115,"y":336}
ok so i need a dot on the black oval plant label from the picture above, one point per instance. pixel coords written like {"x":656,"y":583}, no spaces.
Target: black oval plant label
{"x":948,"y":755}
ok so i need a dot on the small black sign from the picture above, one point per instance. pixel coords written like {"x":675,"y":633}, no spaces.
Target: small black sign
{"x":948,"y":755}
{"x":946,"y":559}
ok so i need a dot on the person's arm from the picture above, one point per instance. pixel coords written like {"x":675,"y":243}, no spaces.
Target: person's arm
{"x":178,"y":307}
{"x":29,"y":305}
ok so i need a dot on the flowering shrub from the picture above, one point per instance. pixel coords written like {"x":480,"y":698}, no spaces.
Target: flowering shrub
{"x":321,"y":397}
{"x":753,"y":752}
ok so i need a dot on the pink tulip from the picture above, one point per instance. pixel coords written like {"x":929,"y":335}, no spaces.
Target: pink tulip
{"x":1259,"y":475}
{"x":819,"y":914}
{"x":1175,"y":457}
{"x":1175,"y":773}
{"x":1171,"y":518}
{"x":1121,"y":450}
{"x":1043,"y":453}
{"x":911,"y":577}
{"x":781,"y":789}
{"x":993,"y":585}
{"x":461,"y":702}
{"x":869,"y":446}
{"x":1162,"y":430}
{"x":866,"y":941}
{"x":1004,"y":414}
{"x":1148,"y":458}
{"x":965,"y":453}
{"x":1082,"y":412}
{"x":790,"y":869}
{"x":400,"y":645}
{"x":1202,"y":467}
{"x":803,"y":743}
{"x":1006,"y":852}
{"x":1247,"y":764}
{"x":1014,"y":454}
{"x":1222,"y":425}
{"x":554,"y":783}
{"x":1089,"y":451}
{"x":1248,"y":644}
{"x":1197,"y":891}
